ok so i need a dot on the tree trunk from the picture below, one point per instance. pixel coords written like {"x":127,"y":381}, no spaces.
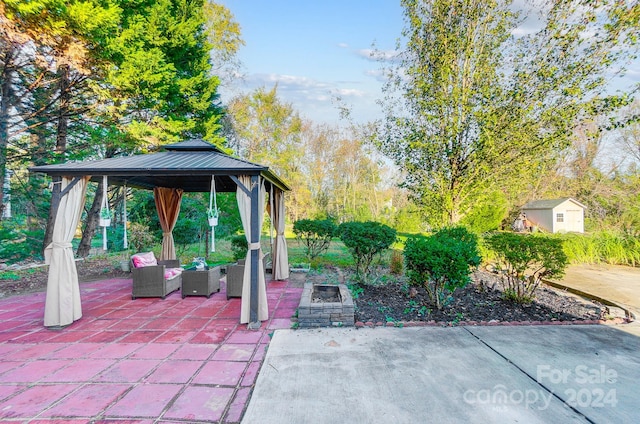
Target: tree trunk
{"x":6,"y":95}
{"x":63,"y":110}
{"x":91,"y":224}
{"x":61,"y":142}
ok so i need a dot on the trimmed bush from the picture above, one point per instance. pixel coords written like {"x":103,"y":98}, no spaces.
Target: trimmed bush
{"x":524,"y":260}
{"x":442,"y":262}
{"x":315,"y":234}
{"x":239,"y":246}
{"x":365,"y":240}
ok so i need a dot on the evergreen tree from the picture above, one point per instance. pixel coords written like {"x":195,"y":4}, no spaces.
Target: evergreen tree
{"x":160,"y":86}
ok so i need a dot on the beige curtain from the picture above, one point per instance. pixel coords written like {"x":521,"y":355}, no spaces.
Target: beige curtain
{"x":244,"y":205}
{"x":63,"y":305}
{"x":280,"y":254}
{"x":168,"y":207}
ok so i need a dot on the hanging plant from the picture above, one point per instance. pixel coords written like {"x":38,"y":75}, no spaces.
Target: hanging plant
{"x":105,"y":218}
{"x":212,"y":216}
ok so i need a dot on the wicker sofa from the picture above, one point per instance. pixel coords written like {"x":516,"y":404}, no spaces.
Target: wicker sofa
{"x":152,"y":278}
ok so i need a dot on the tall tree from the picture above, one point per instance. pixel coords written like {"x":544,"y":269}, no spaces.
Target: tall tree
{"x":56,"y":34}
{"x":224,"y":35}
{"x":160,"y":88}
{"x":268,"y":131}
{"x":472,"y":108}
{"x":106,"y":77}
{"x":343,"y":176}
{"x":629,"y":135}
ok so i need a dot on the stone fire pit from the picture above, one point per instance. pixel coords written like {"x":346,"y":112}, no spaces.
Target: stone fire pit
{"x":325,"y":305}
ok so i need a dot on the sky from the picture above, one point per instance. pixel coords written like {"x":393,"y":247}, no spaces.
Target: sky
{"x":316,"y":51}
{"x":320,"y":50}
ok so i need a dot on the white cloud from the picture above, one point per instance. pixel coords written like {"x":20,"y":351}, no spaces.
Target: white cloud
{"x":522,"y":30}
{"x":349,"y":92}
{"x":343,"y":45}
{"x":312,"y":98}
{"x":377,"y":55}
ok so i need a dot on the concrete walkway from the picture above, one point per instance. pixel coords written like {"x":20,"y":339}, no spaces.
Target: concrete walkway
{"x":534,"y":374}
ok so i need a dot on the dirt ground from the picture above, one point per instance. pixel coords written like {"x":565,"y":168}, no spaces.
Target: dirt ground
{"x":35,"y":279}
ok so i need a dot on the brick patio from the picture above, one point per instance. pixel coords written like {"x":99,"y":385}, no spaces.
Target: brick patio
{"x":145,"y":361}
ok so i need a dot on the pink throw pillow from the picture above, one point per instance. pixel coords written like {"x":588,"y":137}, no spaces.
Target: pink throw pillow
{"x":137,"y":262}
{"x":169,"y":273}
{"x":144,"y":259}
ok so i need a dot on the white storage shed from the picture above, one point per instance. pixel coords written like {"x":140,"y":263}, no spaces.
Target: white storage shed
{"x":556,"y":215}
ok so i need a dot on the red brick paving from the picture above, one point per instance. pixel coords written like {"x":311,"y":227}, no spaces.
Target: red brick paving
{"x":134,"y":361}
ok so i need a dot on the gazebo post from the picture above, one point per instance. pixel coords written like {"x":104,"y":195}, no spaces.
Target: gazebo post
{"x":254,"y":323}
{"x":56,"y":197}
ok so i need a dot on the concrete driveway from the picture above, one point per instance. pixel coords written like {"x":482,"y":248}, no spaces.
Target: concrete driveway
{"x":619,"y":284}
{"x":528,"y":374}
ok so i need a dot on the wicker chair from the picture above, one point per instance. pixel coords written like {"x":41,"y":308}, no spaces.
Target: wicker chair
{"x":150,"y":281}
{"x":235,"y":276}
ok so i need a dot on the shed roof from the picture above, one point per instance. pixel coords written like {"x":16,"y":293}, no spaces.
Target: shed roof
{"x":550,"y":203}
{"x":188,"y":165}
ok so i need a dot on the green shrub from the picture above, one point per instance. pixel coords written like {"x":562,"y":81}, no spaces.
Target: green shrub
{"x":19,"y":243}
{"x":140,"y":237}
{"x":239,"y":246}
{"x":524,"y":260}
{"x":316,"y":234}
{"x":365,"y":240}
{"x":487,"y":215}
{"x":442,"y":262}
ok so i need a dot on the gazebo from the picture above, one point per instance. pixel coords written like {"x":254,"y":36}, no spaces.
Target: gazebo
{"x":189,"y":166}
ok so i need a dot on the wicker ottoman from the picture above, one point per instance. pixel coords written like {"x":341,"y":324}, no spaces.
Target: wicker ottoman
{"x":201,"y":283}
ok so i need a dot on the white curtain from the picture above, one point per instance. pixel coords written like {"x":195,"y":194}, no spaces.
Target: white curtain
{"x":244,"y":205}
{"x":280,"y":257}
{"x":63,"y":305}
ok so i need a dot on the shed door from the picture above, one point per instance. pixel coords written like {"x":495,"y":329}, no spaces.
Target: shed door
{"x":574,"y":220}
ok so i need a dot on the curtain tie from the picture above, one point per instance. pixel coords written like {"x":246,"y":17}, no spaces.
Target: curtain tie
{"x":55,"y":245}
{"x":254,"y":246}
{"x":166,"y":234}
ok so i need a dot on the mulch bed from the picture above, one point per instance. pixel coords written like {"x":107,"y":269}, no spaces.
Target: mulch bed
{"x":479,"y":302}
{"x":35,"y":279}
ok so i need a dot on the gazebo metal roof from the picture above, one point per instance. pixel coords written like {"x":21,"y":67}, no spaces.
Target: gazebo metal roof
{"x":187,"y":165}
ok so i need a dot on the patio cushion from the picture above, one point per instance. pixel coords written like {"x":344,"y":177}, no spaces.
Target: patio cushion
{"x":144,"y":259}
{"x":170,"y":273}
